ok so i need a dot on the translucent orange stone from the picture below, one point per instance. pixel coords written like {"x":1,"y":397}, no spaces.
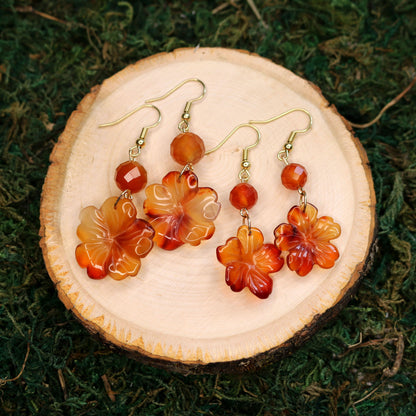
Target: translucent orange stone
{"x":131,"y":175}
{"x":113,"y":240}
{"x":307,"y":238}
{"x":249,"y":262}
{"x":187,"y":148}
{"x":294,"y":176}
{"x":181,"y":212}
{"x":243,"y":195}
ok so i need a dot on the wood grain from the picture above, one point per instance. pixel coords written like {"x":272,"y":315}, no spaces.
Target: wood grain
{"x":178,"y":313}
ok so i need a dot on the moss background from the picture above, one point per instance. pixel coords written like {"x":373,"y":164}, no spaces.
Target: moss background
{"x":360,"y":53}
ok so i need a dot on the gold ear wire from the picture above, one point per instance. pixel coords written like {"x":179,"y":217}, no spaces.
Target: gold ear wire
{"x":186,"y":116}
{"x":284,"y":153}
{"x":144,"y":129}
{"x":244,"y":174}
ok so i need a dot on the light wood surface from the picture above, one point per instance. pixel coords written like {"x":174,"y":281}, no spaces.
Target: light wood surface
{"x":178,"y":312}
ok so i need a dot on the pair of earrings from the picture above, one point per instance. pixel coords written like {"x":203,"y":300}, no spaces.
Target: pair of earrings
{"x":306,"y":238}
{"x":114,"y":240}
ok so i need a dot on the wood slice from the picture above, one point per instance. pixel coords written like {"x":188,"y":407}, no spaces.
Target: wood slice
{"x":178,"y":312}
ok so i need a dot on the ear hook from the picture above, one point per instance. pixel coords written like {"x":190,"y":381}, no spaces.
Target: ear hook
{"x":284,"y":153}
{"x":184,"y":124}
{"x":144,"y":129}
{"x":244,"y":174}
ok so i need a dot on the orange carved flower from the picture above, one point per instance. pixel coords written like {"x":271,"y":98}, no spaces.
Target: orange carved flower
{"x":249,"y":262}
{"x":113,"y":240}
{"x":307,"y":239}
{"x":181,"y":212}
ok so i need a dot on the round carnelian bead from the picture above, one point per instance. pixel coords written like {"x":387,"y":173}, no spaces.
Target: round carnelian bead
{"x":187,"y":148}
{"x":294,"y":176}
{"x":243,"y":195}
{"x":131,"y":175}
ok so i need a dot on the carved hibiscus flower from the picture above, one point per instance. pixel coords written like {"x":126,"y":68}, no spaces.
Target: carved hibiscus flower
{"x":249,"y":262}
{"x":113,"y":240}
{"x":307,"y":239}
{"x":180,"y":211}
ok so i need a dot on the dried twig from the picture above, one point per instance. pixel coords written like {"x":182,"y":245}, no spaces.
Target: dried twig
{"x":30,"y":9}
{"x":108,"y":388}
{"x":367,"y":395}
{"x":3,"y":381}
{"x":256,"y":12}
{"x":387,"y":106}
{"x":390,"y":372}
{"x":62,"y":383}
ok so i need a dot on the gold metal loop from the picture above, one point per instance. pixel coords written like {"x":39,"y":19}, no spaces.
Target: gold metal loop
{"x":186,"y":116}
{"x":189,"y":103}
{"x":283,"y":154}
{"x":125,"y":194}
{"x":186,"y":168}
{"x":246,"y":218}
{"x":302,"y":198}
{"x":244,"y":174}
{"x":135,"y":150}
{"x":246,"y":149}
{"x":294,"y":132}
{"x":112,"y":123}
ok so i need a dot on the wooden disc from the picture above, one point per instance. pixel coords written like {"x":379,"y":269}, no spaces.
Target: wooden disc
{"x":178,"y":312}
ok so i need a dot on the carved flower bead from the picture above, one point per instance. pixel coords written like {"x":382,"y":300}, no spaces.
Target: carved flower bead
{"x":307,"y":239}
{"x":249,"y":262}
{"x":181,"y":212}
{"x":113,"y":240}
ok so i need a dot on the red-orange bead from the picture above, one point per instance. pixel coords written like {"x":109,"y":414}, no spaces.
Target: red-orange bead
{"x":243,"y":195}
{"x":187,"y":148}
{"x":294,"y":176}
{"x":131,"y":175}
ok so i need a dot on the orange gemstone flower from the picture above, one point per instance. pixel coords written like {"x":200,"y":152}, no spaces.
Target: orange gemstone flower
{"x":181,"y":212}
{"x":113,"y":240}
{"x":307,"y":239}
{"x":249,"y":262}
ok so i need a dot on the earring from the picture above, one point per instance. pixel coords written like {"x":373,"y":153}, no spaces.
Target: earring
{"x":306,"y":238}
{"x":180,"y":211}
{"x":248,"y":261}
{"x":113,"y":239}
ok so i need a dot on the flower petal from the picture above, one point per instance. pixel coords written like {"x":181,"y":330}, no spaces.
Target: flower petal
{"x":300,"y":260}
{"x":325,"y":254}
{"x":287,"y":237}
{"x":267,"y":259}
{"x":203,"y":206}
{"x":251,"y":241}
{"x":166,"y":232}
{"x":199,"y":212}
{"x":236,"y":276}
{"x":230,"y":251}
{"x":118,"y":218}
{"x":326,"y":229}
{"x":159,"y":201}
{"x":302,"y":220}
{"x":137,"y":240}
{"x":193,"y":233}
{"x":182,"y":188}
{"x":260,"y":284}
{"x":121,"y":265}
{"x":92,"y":225}
{"x":94,"y":256}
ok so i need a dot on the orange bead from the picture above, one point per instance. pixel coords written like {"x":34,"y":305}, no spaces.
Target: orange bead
{"x":243,"y":195}
{"x":131,"y":175}
{"x":294,"y":176}
{"x":187,"y":148}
